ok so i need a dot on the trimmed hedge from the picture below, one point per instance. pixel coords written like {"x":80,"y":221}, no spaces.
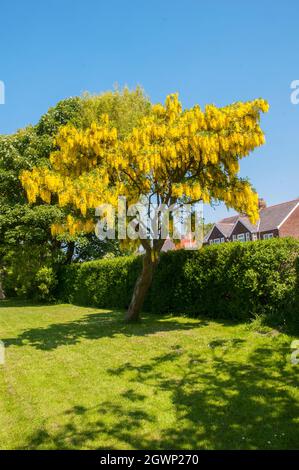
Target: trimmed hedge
{"x":232,"y":280}
{"x":101,"y":283}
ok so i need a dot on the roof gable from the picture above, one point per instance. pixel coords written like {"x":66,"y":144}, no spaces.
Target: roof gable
{"x":218,"y":230}
{"x":225,"y":228}
{"x":214,"y":233}
{"x":244,"y":224}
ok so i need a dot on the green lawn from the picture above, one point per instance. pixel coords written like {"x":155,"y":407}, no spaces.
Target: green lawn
{"x":80,"y":377}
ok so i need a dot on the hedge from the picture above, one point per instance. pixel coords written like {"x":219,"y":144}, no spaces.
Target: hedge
{"x":101,"y":283}
{"x":230,"y":281}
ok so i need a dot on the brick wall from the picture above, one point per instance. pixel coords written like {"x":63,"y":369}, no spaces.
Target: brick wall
{"x":291,"y":226}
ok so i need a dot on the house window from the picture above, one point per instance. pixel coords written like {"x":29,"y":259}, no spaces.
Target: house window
{"x":247,"y":236}
{"x":222,"y":240}
{"x":234,"y":238}
{"x":254,"y":237}
{"x":217,"y":240}
{"x":267,"y":236}
{"x":241,"y":237}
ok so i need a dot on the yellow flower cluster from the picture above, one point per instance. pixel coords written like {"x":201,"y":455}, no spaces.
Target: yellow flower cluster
{"x":173,"y":153}
{"x":73,"y":226}
{"x":243,"y":199}
{"x":81,"y":150}
{"x":41,"y":182}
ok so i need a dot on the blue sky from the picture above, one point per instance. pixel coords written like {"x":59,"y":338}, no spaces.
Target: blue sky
{"x":210,"y":52}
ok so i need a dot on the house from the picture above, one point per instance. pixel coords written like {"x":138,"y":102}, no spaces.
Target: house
{"x":281,"y":220}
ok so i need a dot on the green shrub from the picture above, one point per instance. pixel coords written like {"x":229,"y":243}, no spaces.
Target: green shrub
{"x":30,"y":273}
{"x":234,"y":281}
{"x":45,"y":281}
{"x":103,"y":283}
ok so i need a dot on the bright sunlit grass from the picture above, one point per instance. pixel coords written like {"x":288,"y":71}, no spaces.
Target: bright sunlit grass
{"x":80,"y":377}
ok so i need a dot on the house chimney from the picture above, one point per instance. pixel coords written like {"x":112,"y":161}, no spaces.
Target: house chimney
{"x":262,"y":204}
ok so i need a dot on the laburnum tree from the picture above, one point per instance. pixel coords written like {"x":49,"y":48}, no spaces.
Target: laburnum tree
{"x":172,"y":155}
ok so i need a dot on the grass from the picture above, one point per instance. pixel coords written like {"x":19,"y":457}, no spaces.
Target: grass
{"x":80,"y":377}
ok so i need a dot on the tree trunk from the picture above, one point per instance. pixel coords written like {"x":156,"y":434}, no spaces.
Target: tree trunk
{"x":70,"y":252}
{"x":142,"y":286}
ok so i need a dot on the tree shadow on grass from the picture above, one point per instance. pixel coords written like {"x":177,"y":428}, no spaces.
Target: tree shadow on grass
{"x":217,"y":403}
{"x":95,"y":326}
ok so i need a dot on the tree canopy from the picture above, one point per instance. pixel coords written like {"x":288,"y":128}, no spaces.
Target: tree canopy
{"x":171,"y":153}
